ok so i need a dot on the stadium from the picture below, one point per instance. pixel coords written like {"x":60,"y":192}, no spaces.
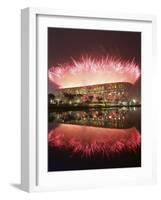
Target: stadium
{"x":101,"y":95}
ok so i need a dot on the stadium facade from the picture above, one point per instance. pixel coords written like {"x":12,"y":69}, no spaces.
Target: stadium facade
{"x":109,"y":94}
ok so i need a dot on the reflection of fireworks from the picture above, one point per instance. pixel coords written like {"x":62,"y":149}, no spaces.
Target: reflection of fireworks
{"x":90,"y":140}
{"x":92,"y":71}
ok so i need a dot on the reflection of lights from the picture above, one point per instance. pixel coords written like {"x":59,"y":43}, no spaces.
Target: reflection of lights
{"x":90,"y":140}
{"x":112,"y":116}
{"x":91,"y":71}
{"x":134,"y":101}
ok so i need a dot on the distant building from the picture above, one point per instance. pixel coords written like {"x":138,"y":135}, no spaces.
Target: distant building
{"x":108,"y":94}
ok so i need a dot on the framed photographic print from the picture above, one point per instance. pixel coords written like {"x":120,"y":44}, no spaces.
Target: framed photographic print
{"x":87,"y":117}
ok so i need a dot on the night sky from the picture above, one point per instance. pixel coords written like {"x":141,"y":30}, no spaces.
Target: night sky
{"x":66,"y":43}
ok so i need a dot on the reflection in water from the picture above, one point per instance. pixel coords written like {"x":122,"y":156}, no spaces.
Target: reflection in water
{"x":110,"y":118}
{"x":90,"y":140}
{"x":94,"y":139}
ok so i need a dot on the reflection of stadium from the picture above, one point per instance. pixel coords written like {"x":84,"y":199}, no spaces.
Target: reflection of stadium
{"x":110,"y":118}
{"x":110,"y":94}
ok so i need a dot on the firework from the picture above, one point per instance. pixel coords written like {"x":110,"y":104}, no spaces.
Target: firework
{"x":88,"y":141}
{"x":91,"y":71}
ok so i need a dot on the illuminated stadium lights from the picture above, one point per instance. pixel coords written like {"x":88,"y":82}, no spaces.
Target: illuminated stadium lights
{"x":133,"y":102}
{"x":103,"y":95}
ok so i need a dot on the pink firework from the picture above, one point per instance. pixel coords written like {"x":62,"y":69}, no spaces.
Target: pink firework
{"x":91,"y":71}
{"x":87,"y":140}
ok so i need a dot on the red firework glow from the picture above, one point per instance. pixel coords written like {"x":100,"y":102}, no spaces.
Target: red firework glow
{"x":90,"y":140}
{"x":92,"y":71}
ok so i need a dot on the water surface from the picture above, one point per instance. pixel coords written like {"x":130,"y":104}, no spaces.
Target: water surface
{"x":94,"y":139}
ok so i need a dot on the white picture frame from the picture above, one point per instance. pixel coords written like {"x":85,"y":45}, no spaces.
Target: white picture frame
{"x":33,"y":124}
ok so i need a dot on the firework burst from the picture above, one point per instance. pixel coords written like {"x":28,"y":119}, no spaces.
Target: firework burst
{"x":91,"y":71}
{"x":89,"y":141}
